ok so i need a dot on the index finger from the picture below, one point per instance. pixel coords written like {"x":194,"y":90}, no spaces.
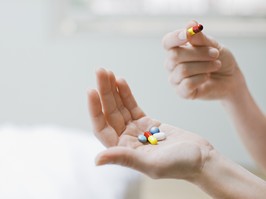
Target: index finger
{"x":176,"y":38}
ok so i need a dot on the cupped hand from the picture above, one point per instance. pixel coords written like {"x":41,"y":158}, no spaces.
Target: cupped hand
{"x":199,"y":67}
{"x":117,"y":121}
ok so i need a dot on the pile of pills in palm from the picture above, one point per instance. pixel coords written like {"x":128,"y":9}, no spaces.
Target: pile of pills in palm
{"x":152,"y":136}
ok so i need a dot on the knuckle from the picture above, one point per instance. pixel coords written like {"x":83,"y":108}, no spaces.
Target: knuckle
{"x":181,"y":94}
{"x":183,"y":70}
{"x":164,"y":41}
{"x":185,"y":90}
{"x":171,"y":79}
{"x":175,"y":78}
{"x":174,"y":55}
{"x":188,"y":85}
{"x":169,"y":65}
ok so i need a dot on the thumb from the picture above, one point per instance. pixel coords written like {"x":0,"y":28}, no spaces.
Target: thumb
{"x":122,"y":156}
{"x":174,"y":39}
{"x":200,"y":39}
{"x":177,"y":38}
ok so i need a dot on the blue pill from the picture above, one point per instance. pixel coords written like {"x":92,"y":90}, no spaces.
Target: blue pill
{"x":154,"y":130}
{"x":142,"y":138}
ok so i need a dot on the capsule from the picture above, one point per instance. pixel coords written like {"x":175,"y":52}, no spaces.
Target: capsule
{"x":154,"y":130}
{"x":195,"y":29}
{"x":142,"y":139}
{"x":150,"y":138}
{"x":160,"y":136}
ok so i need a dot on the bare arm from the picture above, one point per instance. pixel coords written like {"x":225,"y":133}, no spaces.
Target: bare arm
{"x":223,"y":179}
{"x":118,"y":120}
{"x":250,"y":122}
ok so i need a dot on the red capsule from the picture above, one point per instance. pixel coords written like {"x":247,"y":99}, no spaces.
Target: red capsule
{"x":195,"y":29}
{"x":150,"y":138}
{"x":147,"y":134}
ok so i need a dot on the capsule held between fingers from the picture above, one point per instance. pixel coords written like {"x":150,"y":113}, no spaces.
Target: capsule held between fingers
{"x":195,"y":29}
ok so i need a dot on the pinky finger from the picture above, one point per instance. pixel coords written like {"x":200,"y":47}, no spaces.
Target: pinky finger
{"x":188,"y":87}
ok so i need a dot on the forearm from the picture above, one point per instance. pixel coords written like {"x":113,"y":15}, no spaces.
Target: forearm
{"x":223,"y":179}
{"x":250,"y":122}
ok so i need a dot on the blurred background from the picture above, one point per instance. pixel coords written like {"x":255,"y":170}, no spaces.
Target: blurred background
{"x":49,"y":50}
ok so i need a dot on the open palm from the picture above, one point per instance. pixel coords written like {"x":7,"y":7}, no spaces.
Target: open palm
{"x":118,"y":120}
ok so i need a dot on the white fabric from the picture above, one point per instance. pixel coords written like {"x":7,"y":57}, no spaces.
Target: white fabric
{"x":58,"y":163}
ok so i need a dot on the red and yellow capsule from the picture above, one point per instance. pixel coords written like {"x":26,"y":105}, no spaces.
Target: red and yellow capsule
{"x":150,"y":138}
{"x":195,"y":29}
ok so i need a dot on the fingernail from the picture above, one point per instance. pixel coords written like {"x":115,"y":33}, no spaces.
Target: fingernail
{"x":218,"y":64}
{"x":213,"y":52}
{"x":182,"y":35}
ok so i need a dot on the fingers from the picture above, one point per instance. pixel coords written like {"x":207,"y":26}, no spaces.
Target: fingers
{"x":111,"y":107}
{"x":191,"y":59}
{"x":108,"y":100}
{"x":129,"y":100}
{"x":174,"y":39}
{"x":123,"y":110}
{"x":116,"y":155}
{"x":123,"y":156}
{"x":102,"y":130}
{"x":190,"y":54}
{"x":95,"y":110}
{"x":200,"y":39}
{"x":187,"y":77}
{"x":189,"y":69}
{"x":180,"y":37}
{"x":188,"y":88}
{"x":117,"y":98}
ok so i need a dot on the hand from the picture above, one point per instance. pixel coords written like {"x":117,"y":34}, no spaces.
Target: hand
{"x":201,"y":68}
{"x":117,"y":121}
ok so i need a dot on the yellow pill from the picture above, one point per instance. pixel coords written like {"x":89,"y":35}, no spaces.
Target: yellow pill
{"x":152,"y":140}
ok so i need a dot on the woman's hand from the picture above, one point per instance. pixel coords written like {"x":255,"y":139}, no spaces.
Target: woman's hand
{"x":118,"y":120}
{"x":201,"y":68}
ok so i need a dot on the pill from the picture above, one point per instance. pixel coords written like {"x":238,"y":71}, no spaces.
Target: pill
{"x":147,"y":134}
{"x":195,"y":29}
{"x":142,"y":138}
{"x":154,"y":130}
{"x":150,"y":137}
{"x":152,"y":140}
{"x":159,"y":136}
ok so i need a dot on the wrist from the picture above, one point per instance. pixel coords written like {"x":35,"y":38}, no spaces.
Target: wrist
{"x":238,"y":89}
{"x":222,"y":178}
{"x":210,"y":161}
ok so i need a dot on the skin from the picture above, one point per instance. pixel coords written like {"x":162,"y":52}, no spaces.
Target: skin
{"x":201,"y":68}
{"x":117,"y":121}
